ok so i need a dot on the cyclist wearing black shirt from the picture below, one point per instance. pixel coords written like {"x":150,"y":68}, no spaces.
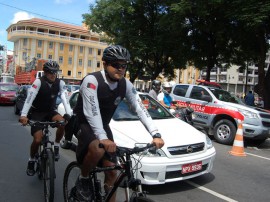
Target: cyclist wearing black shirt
{"x":100,"y":94}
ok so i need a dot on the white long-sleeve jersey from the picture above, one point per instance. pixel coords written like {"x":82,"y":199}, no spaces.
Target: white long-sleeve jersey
{"x":91,"y":105}
{"x":33,"y":91}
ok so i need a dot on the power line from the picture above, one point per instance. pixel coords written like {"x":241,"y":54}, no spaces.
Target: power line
{"x":38,"y":14}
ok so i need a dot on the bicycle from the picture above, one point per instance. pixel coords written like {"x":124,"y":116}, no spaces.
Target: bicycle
{"x":125,"y":178}
{"x":45,"y":163}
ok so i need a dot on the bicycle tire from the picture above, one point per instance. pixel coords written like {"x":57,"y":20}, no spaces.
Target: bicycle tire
{"x":71,"y":175}
{"x":140,"y":199}
{"x":49,"y":176}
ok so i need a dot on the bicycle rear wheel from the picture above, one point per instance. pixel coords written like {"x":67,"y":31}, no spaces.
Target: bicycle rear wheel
{"x":49,"y":176}
{"x":72,"y":172}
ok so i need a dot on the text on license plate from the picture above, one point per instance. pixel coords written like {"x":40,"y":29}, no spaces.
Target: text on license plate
{"x":191,"y":167}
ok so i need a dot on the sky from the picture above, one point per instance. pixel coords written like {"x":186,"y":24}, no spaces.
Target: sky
{"x":65,"y":11}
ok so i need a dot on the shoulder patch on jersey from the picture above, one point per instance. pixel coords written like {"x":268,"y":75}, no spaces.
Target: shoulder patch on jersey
{"x":92,"y":86}
{"x":34,"y":86}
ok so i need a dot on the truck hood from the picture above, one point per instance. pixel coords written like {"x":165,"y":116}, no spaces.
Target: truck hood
{"x":244,"y":107}
{"x":174,"y":132}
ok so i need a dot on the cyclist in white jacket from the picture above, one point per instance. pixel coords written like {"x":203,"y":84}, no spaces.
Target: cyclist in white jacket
{"x":40,"y":105}
{"x":100,"y":94}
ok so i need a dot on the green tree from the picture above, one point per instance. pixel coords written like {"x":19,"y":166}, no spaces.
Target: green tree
{"x":210,"y":32}
{"x":144,"y":28}
{"x":252,"y":19}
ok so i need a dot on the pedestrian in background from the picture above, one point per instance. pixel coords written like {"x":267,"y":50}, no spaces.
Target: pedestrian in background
{"x":156,"y":86}
{"x":249,"y":99}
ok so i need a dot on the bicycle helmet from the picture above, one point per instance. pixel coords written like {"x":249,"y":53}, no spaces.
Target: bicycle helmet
{"x":156,"y":84}
{"x":114,"y":53}
{"x":166,"y":86}
{"x":51,"y":66}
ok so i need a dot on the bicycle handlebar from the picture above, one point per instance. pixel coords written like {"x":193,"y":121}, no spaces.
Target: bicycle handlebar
{"x":121,"y":151}
{"x":44,"y":124}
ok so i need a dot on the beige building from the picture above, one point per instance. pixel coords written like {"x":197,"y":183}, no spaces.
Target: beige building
{"x":77,"y":50}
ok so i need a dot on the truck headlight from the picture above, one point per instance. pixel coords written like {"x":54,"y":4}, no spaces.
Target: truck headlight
{"x":209,"y":143}
{"x":248,"y":114}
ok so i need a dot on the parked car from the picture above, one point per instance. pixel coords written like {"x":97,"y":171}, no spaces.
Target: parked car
{"x":7,"y":93}
{"x":71,"y":89}
{"x":20,"y":97}
{"x":218,"y":112}
{"x":187,"y":152}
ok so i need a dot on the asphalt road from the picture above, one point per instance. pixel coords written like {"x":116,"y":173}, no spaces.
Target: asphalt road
{"x":233,"y":178}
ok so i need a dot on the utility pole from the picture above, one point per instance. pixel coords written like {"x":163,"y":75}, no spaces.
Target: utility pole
{"x":246,"y":79}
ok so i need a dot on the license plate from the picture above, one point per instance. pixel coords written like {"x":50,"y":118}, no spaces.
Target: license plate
{"x":191,"y":167}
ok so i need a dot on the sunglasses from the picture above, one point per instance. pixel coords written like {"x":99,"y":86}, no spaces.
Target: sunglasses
{"x":118,"y":65}
{"x":52,"y":72}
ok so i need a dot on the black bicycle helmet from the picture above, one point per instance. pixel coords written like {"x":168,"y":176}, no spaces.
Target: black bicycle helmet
{"x":156,"y":84}
{"x":51,"y":66}
{"x":114,"y":53}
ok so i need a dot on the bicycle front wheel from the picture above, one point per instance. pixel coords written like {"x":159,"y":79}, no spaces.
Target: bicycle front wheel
{"x":49,"y":176}
{"x":72,"y":172}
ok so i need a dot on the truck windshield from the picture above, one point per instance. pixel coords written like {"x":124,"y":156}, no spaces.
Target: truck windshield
{"x":225,"y":96}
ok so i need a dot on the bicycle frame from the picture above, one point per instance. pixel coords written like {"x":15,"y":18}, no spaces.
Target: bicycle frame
{"x":99,"y":194}
{"x":45,"y":159}
{"x":126,"y":176}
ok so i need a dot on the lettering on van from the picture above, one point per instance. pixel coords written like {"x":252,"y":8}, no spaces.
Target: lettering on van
{"x":200,"y":116}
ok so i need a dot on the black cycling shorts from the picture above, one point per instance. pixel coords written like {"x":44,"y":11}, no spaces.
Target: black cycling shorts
{"x":85,"y":136}
{"x":40,"y":116}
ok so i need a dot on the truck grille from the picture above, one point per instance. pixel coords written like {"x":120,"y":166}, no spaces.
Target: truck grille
{"x":266,"y":124}
{"x":186,"y":149}
{"x":266,"y":116}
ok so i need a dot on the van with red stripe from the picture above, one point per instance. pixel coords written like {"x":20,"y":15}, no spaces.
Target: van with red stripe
{"x":218,"y":112}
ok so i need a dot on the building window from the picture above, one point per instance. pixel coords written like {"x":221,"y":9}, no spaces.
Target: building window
{"x":89,"y":63}
{"x":24,"y":42}
{"x":50,"y":57}
{"x":99,"y":52}
{"x":24,"y":55}
{"x":70,"y":60}
{"x":81,"y":49}
{"x":38,"y":55}
{"x":98,"y":64}
{"x":80,"y":62}
{"x":60,"y":59}
{"x":90,"y":50}
{"x":70,"y":48}
{"x":39,"y":43}
{"x":61,"y":46}
{"x":69,"y":73}
{"x":50,"y":45}
{"x":79,"y":74}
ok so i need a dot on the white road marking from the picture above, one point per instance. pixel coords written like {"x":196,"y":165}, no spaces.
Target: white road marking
{"x":258,"y":156}
{"x":225,"y":198}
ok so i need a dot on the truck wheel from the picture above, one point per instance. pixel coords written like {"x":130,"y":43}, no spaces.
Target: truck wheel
{"x":224,"y":132}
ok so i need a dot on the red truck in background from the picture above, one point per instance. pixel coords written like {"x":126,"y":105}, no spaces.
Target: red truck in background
{"x":24,"y":78}
{"x":32,"y":71}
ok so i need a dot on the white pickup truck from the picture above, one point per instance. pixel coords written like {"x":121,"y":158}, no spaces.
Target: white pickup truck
{"x":218,"y":112}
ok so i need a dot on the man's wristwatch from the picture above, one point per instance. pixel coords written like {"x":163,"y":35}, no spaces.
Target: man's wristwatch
{"x":157,"y":135}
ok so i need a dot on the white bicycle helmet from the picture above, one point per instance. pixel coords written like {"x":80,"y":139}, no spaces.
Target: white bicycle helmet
{"x":166,"y":86}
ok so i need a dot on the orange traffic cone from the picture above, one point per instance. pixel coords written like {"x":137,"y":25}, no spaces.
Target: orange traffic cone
{"x":238,"y":144}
